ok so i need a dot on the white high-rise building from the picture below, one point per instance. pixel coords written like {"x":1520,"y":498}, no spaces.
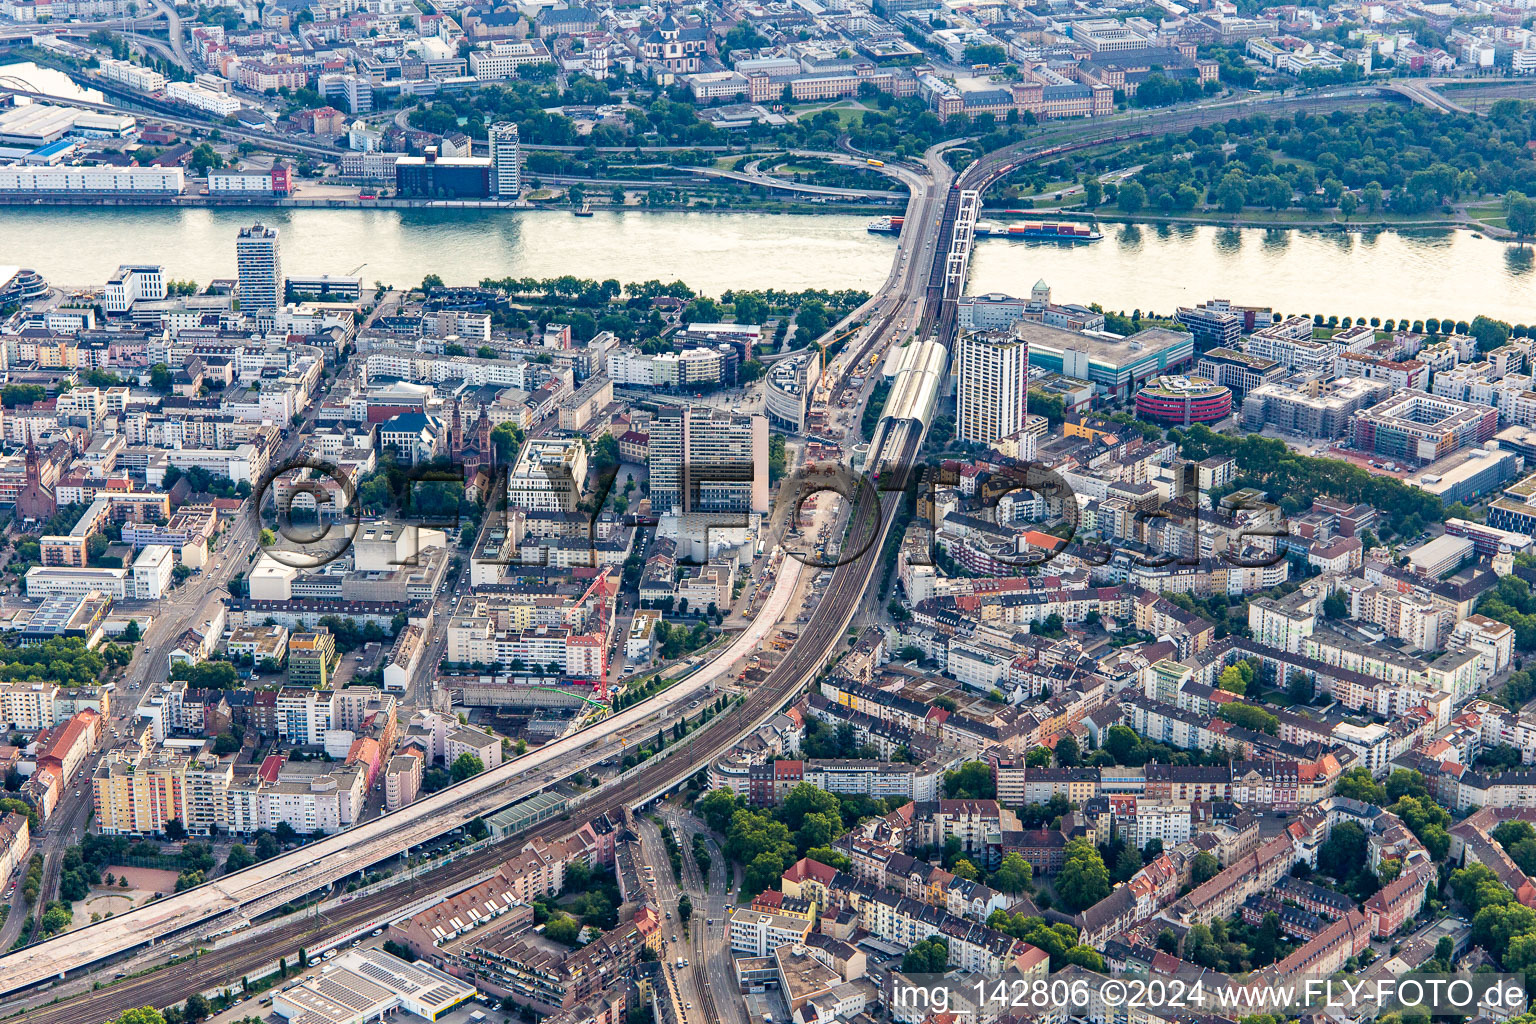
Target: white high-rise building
{"x":708,"y":460}
{"x":259,"y":263}
{"x":992,"y":381}
{"x":506,"y":151}
{"x":142,"y":282}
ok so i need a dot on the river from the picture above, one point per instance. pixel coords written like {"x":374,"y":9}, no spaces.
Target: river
{"x":1158,"y":268}
{"x":1440,"y":274}
{"x":710,"y":251}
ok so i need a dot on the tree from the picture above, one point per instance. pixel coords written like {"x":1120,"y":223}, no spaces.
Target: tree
{"x":1520,"y":215}
{"x":985,"y":53}
{"x":1038,"y":757}
{"x":1203,"y":868}
{"x":160,"y":377}
{"x":465,"y":766}
{"x":1405,"y":783}
{"x":1013,"y":876}
{"x":716,"y":808}
{"x":141,"y":1015}
{"x":1344,"y":852}
{"x":1301,"y":689}
{"x":1490,"y":333}
{"x":563,"y":929}
{"x":931,"y":956}
{"x":750,"y":307}
{"x":763,"y":872}
{"x":131,"y":633}
{"x":806,"y":799}
{"x":507,"y":437}
{"x":1372,"y":196}
{"x":1121,"y":743}
{"x":1359,"y":784}
{"x":1083,"y":880}
{"x":175,"y":830}
{"x":1231,"y":193}
{"x":239,"y":857}
{"x":1231,"y":680}
{"x":1131,"y":197}
{"x":830,"y":857}
{"x":1336,"y":605}
{"x":1249,"y":716}
{"x":1067,"y":754}
{"x":971,"y":781}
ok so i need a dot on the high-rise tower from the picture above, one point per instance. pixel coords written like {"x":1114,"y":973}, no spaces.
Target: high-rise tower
{"x":259,"y":264}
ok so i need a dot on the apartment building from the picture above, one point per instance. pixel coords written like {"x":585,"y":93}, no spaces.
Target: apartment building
{"x":549,"y":476}
{"x":402,"y":780}
{"x":258,"y":260}
{"x":1418,"y":428}
{"x":755,"y":933}
{"x":311,"y":656}
{"x":992,"y":384}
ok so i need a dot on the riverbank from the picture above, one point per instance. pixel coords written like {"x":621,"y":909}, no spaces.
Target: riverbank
{"x":1282,"y":220}
{"x":190,"y":202}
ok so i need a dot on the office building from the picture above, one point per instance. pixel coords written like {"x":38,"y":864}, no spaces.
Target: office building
{"x":708,"y":460}
{"x":506,"y":152}
{"x":443,"y":177}
{"x":992,"y":381}
{"x":143,"y":282}
{"x":45,"y":581}
{"x":1213,"y":325}
{"x":1238,"y":370}
{"x":258,"y":262}
{"x":1441,"y":555}
{"x":1107,"y":35}
{"x":1117,"y":366}
{"x":1181,"y":401}
{"x":1468,"y":474}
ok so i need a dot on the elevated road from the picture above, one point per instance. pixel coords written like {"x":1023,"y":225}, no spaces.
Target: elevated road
{"x":229,"y":902}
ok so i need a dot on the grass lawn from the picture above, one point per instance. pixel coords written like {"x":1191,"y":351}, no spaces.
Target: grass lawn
{"x":1491,"y":213}
{"x":846,"y":110}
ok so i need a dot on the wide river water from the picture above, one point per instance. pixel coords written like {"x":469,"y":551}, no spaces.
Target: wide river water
{"x":1441,"y":274}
